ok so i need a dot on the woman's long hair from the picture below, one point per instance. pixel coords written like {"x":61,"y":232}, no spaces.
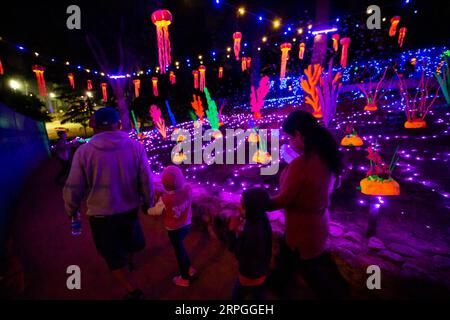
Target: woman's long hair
{"x":317,"y":139}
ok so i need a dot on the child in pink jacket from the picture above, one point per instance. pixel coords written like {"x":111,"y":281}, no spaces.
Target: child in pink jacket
{"x":177,"y":215}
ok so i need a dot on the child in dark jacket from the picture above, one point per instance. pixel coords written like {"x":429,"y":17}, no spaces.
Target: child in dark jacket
{"x":252,"y":245}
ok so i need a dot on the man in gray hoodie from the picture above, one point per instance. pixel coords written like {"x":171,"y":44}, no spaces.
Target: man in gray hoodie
{"x":113,"y":173}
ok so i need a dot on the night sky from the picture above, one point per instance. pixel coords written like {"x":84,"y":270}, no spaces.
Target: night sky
{"x":199,"y":26}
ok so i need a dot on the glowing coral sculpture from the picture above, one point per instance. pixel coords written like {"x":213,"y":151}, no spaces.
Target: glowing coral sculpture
{"x":211,"y":112}
{"x":158,"y":120}
{"x":313,"y":73}
{"x":328,"y":93}
{"x":372,"y":92}
{"x":198,"y":107}
{"x":257,"y":97}
{"x":417,"y":105}
{"x":444,"y":79}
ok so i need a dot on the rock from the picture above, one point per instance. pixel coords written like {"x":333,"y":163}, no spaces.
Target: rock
{"x":353,"y":247}
{"x":389,"y":255}
{"x":404,"y":250}
{"x":336,"y":231}
{"x":353,"y":236}
{"x":375,"y":244}
{"x":441,"y":262}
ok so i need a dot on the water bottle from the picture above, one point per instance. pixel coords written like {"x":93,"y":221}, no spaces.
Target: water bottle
{"x":76,"y":225}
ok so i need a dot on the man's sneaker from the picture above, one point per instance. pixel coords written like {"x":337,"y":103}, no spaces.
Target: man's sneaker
{"x":137,"y":294}
{"x":179,"y":281}
{"x":192,"y":272}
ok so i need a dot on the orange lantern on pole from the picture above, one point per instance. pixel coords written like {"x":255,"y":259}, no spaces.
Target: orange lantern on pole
{"x":285,"y":48}
{"x":195,"y":74}
{"x":162,"y":19}
{"x":335,"y":37}
{"x":89,"y":85}
{"x":71,"y":80}
{"x":155,"y":86}
{"x":220,"y":72}
{"x":393,"y":29}
{"x":301,"y":51}
{"x":104,"y":85}
{"x":401,"y":36}
{"x":345,"y":42}
{"x":137,"y":87}
{"x":202,"y":70}
{"x":172,"y":77}
{"x":237,"y":37}
{"x":39,"y":71}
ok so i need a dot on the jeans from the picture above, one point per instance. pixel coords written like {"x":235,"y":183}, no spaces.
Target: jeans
{"x":320,"y":273}
{"x":241,"y":292}
{"x":176,"y":238}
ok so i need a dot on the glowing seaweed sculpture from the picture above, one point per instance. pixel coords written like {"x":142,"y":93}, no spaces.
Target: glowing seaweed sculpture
{"x":313,"y":73}
{"x":211,"y":112}
{"x":257,"y":97}
{"x":198,"y":107}
{"x":158,"y":120}
{"x":444,"y":80}
{"x":373,"y":93}
{"x":328,"y":93}
{"x":417,"y":106}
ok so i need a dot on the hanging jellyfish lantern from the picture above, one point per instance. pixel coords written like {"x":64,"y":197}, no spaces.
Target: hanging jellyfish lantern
{"x":172,"y":77}
{"x":285,"y":48}
{"x":155,"y":86}
{"x":401,"y":36}
{"x":104,"y":85}
{"x":220,"y":72}
{"x":345,"y":42}
{"x":301,"y":51}
{"x":335,"y":37}
{"x":237,"y":37}
{"x":195,"y":74}
{"x":39,"y":71}
{"x":249,"y":62}
{"x":71,"y":80}
{"x":89,"y":85}
{"x":1,"y":68}
{"x":162,"y":19}
{"x":137,"y":87}
{"x":202,"y":70}
{"x":394,"y":23}
{"x":243,"y":64}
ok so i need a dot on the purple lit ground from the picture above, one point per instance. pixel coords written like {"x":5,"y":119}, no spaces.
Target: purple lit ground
{"x":422,"y":209}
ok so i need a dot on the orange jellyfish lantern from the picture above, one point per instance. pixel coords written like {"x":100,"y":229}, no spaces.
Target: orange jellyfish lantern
{"x":401,"y":36}
{"x":220,"y":72}
{"x":155,"y":86}
{"x":301,"y":51}
{"x":89,"y":84}
{"x":172,"y":77}
{"x":71,"y":80}
{"x":39,"y":71}
{"x":243,"y":64}
{"x":249,"y":62}
{"x":394,"y":23}
{"x":237,"y":37}
{"x":104,"y":92}
{"x":345,"y":42}
{"x":162,"y":19}
{"x":285,"y":48}
{"x":1,"y":68}
{"x":202,"y":70}
{"x":335,"y":37}
{"x":137,"y":87}
{"x":195,"y":74}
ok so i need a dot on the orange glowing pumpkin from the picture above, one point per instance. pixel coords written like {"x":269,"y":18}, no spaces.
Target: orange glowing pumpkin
{"x":352,"y":141}
{"x":371,"y":107}
{"x":415,"y":124}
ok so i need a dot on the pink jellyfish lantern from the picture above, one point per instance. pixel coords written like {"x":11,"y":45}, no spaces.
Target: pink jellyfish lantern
{"x":195,"y":74}
{"x":285,"y":48}
{"x":237,"y":37}
{"x":401,"y":36}
{"x":202,"y":71}
{"x":89,"y":85}
{"x":155,"y":86}
{"x":104,"y":85}
{"x":172,"y":77}
{"x":345,"y":42}
{"x":71,"y":80}
{"x":220,"y":72}
{"x":39,"y":71}
{"x":162,"y":19}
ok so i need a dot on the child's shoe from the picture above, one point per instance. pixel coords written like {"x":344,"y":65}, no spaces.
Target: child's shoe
{"x":179,"y":281}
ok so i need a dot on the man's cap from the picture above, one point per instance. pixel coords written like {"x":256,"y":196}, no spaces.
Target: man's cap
{"x":106,"y":116}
